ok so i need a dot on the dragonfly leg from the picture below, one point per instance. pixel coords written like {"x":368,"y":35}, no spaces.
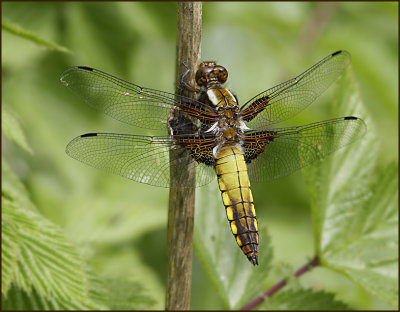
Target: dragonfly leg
{"x":184,"y":84}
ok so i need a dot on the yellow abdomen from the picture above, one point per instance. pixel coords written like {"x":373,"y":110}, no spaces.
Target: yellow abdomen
{"x":234,"y":184}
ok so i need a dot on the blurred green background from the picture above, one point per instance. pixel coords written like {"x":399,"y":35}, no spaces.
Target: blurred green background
{"x":121,"y":225}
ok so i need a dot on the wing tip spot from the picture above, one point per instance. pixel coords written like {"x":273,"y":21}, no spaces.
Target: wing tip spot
{"x":88,"y":135}
{"x":85,"y":68}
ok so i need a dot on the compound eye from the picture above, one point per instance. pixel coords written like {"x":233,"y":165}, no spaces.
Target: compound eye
{"x":222,"y":74}
{"x":223,"y":77}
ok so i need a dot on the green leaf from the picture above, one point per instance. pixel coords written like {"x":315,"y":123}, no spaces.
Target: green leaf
{"x":13,"y":189}
{"x":39,"y":265}
{"x":354,"y":208}
{"x":120,"y":264}
{"x":18,"y":299}
{"x":115,"y":294}
{"x":369,"y":255}
{"x":12,"y":129}
{"x":303,"y":300}
{"x":340,"y":181}
{"x":26,"y":34}
{"x":10,"y":251}
{"x":45,"y":262}
{"x":234,"y":277}
{"x":125,"y":294}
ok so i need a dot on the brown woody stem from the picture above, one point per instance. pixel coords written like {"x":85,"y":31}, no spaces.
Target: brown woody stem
{"x":181,"y":201}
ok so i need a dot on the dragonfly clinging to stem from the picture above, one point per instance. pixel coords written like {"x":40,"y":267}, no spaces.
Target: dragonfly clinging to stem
{"x":234,"y":143}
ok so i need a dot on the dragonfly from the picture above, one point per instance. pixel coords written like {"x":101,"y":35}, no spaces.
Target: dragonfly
{"x":235,"y":144}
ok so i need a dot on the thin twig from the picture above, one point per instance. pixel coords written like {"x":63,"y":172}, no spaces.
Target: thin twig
{"x":307,"y":267}
{"x":181,"y":201}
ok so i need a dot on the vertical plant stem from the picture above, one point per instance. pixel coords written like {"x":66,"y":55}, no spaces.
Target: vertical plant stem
{"x":181,"y":201}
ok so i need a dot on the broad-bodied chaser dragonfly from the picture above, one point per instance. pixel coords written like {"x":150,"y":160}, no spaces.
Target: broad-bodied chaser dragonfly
{"x":229,"y":142}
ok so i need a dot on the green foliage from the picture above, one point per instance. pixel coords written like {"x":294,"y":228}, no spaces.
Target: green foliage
{"x":366,"y":250}
{"x":303,"y":300}
{"x":71,"y":232}
{"x":37,"y":256}
{"x":41,"y":269}
{"x":122,"y":294}
{"x":354,"y":208}
{"x":18,"y":299}
{"x":28,"y":35}
{"x":12,"y":129}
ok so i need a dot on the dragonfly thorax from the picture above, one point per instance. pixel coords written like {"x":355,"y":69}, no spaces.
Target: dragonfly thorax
{"x":229,"y":126}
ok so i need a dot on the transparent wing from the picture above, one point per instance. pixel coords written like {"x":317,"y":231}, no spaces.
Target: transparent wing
{"x":144,"y":159}
{"x":127,"y":102}
{"x":289,"y":98}
{"x":275,"y":153}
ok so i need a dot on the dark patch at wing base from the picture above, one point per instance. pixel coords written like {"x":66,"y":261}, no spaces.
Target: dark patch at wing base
{"x":293,"y":148}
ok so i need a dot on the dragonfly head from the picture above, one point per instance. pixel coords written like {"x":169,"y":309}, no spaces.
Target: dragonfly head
{"x":210,"y":72}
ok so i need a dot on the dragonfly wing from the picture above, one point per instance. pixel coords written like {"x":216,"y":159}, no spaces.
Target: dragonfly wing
{"x":289,"y":98}
{"x":144,"y":159}
{"x":275,"y":153}
{"x":127,"y":102}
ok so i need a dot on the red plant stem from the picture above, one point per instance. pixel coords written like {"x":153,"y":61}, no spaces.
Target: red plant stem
{"x":305,"y":268}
